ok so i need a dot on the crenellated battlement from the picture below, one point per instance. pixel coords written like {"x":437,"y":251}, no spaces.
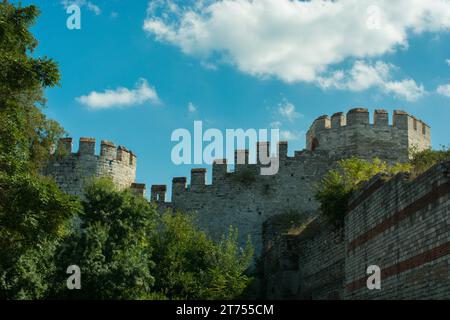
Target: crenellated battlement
{"x":71,"y":170}
{"x":353,"y":133}
{"x":108,"y":151}
{"x":245,"y":199}
{"x":337,"y":137}
{"x":360,"y":117}
{"x":244,"y":168}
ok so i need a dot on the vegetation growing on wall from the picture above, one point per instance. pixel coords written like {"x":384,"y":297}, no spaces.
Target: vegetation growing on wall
{"x":336,"y":187}
{"x":424,"y":160}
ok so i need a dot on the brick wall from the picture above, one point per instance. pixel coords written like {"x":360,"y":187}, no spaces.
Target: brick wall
{"x":400,"y":224}
{"x":403,"y":226}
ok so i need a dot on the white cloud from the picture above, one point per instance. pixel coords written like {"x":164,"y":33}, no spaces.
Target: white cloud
{"x":363,"y":76}
{"x":294,"y":40}
{"x":120,"y":97}
{"x":191,"y":107}
{"x":444,"y":90}
{"x":83,"y":3}
{"x":448,"y":61}
{"x":287,"y":110}
{"x":405,"y":89}
{"x":289,"y":135}
{"x":209,"y":65}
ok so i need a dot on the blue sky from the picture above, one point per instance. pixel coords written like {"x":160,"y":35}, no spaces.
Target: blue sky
{"x":137,"y":70}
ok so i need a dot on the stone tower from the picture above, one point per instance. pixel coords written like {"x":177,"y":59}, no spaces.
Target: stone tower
{"x":353,"y":135}
{"x":72,"y":170}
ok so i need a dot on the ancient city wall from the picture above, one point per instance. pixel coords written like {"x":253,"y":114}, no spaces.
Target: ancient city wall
{"x":402,"y":226}
{"x":72,"y":170}
{"x":245,"y":199}
{"x":399,"y":224}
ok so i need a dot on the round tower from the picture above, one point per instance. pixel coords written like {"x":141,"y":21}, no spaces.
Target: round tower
{"x":353,"y":135}
{"x":72,"y":170}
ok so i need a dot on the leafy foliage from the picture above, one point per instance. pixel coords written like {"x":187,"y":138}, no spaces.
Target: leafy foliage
{"x":337,"y":185}
{"x":188,"y":265}
{"x":114,"y":237}
{"x":423,"y":160}
{"x":20,"y":71}
{"x":34,"y":217}
{"x":335,"y":188}
{"x":34,"y":213}
{"x":111,"y":246}
{"x":26,"y":135}
{"x":126,"y":250}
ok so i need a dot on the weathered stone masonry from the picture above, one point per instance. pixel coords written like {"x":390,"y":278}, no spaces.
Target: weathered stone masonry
{"x":401,"y":225}
{"x":247,"y":204}
{"x":73,"y":170}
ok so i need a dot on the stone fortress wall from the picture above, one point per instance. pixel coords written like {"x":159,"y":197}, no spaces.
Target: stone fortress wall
{"x":401,"y":225}
{"x":245,"y":199}
{"x":72,"y":170}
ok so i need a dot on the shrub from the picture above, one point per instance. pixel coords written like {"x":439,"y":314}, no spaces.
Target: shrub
{"x":335,"y":188}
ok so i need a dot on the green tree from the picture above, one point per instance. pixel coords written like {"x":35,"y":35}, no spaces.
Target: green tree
{"x":189,"y":265}
{"x":26,"y":135}
{"x":34,"y":213}
{"x":34,"y":217}
{"x":111,"y":246}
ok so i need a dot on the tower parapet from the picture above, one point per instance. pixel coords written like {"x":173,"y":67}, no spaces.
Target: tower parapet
{"x":72,"y":170}
{"x":353,"y":135}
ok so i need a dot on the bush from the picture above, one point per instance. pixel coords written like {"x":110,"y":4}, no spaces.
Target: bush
{"x":127,"y":250}
{"x":337,"y":185}
{"x":111,"y":246}
{"x":335,"y":188}
{"x":189,"y":265}
{"x":423,"y":160}
{"x":34,"y":217}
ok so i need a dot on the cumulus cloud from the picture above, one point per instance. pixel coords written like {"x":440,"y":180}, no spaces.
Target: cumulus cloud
{"x":287,"y":111}
{"x":120,"y":97}
{"x":444,"y":90}
{"x":364,"y":75}
{"x":289,"y":39}
{"x":448,"y":61}
{"x":83,"y":3}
